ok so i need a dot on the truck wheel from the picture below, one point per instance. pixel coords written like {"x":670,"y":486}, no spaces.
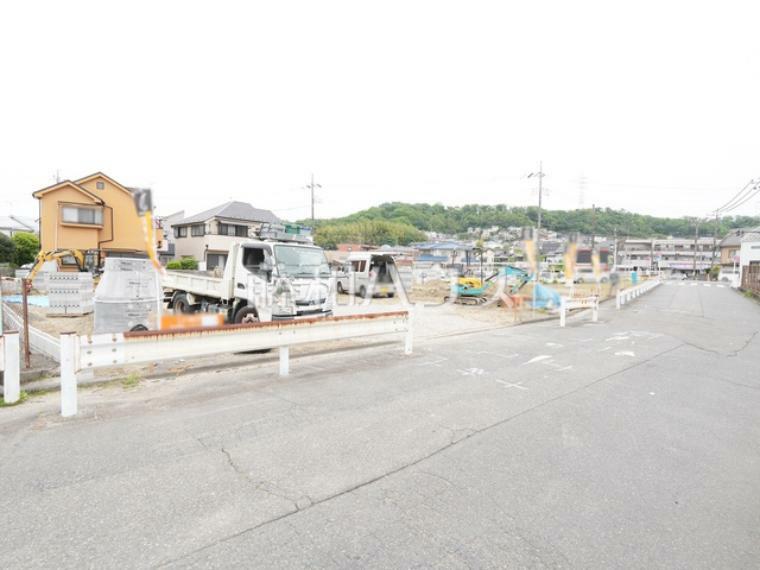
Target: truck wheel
{"x":181,"y":304}
{"x":246,"y":315}
{"x":341,"y":290}
{"x":362,"y":291}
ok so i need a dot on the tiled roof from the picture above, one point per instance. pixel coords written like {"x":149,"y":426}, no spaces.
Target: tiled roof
{"x":242,"y":211}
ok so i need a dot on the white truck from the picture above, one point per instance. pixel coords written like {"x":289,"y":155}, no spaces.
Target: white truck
{"x":274,"y":278}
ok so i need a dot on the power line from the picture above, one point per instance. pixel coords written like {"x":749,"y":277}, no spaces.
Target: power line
{"x":737,"y":196}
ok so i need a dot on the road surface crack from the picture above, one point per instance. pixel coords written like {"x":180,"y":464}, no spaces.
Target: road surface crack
{"x":419,"y":460}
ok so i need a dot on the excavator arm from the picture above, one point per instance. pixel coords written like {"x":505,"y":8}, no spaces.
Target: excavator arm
{"x":55,"y":255}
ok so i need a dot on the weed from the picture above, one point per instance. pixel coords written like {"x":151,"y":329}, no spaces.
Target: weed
{"x":23,"y":397}
{"x":131,"y":381}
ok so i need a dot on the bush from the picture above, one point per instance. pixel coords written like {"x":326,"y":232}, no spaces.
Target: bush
{"x":27,"y":247}
{"x":184,"y":263}
{"x":7,"y":249}
{"x":188,"y":263}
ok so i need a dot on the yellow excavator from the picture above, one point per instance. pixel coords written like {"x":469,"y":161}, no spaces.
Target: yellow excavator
{"x":79,"y":256}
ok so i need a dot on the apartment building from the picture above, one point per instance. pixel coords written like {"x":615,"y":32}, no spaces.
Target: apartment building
{"x":669,"y":254}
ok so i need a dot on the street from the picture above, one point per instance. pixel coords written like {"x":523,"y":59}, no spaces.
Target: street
{"x":631,"y":442}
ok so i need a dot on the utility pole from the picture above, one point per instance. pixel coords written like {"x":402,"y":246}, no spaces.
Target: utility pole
{"x":540,"y":175}
{"x":311,"y":187}
{"x":715,"y":238}
{"x":593,"y":226}
{"x":696,"y":240}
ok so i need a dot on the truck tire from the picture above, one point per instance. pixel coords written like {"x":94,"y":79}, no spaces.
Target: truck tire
{"x":246,"y":315}
{"x":362,"y":291}
{"x":181,"y":304}
{"x":341,"y":290}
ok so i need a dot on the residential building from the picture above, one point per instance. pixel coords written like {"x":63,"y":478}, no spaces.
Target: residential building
{"x":95,"y":214}
{"x":670,"y":254}
{"x":209,"y":235}
{"x":444,"y":252}
{"x":749,"y":258}
{"x":731,"y":244}
{"x":165,"y":245}
{"x":10,"y":225}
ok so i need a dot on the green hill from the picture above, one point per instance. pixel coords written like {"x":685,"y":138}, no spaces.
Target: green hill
{"x":398,"y":223}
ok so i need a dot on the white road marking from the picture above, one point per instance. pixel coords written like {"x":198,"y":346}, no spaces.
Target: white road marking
{"x":432,"y":362}
{"x":682,"y":283}
{"x":538,"y":358}
{"x":553,"y":344}
{"x":519,"y":385}
{"x":719,"y":286}
{"x":706,"y":285}
{"x":651,"y":393}
{"x":625,"y":353}
{"x":617,"y":337}
{"x":471,"y":372}
{"x":500,"y":355}
{"x":605,"y":348}
{"x":694,"y":284}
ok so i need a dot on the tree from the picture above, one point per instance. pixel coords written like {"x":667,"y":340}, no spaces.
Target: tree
{"x":27,"y":247}
{"x":7,"y":249}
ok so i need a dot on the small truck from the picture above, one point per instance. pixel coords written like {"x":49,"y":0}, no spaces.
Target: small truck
{"x":280,"y":276}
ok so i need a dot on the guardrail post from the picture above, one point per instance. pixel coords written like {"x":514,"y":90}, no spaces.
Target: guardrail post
{"x":11,"y":367}
{"x":284,"y":360}
{"x":69,"y":365}
{"x":409,"y":339}
{"x":562,"y":311}
{"x":617,"y":300}
{"x":595,"y":311}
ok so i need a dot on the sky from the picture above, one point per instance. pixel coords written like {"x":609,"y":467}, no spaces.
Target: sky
{"x":653,"y":107}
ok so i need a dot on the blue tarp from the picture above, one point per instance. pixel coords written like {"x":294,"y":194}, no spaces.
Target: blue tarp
{"x":35,"y":300}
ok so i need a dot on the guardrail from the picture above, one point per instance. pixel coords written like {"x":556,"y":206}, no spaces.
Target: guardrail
{"x":10,"y":365}
{"x":80,"y":353}
{"x":569,"y":303}
{"x":627,"y":295}
{"x":40,"y":341}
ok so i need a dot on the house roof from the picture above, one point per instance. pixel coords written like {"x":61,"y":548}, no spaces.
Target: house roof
{"x":753,"y":235}
{"x":19,"y":223}
{"x":444,"y":245}
{"x":100,"y":174}
{"x":242,"y":211}
{"x":64,"y":184}
{"x":735,"y":237}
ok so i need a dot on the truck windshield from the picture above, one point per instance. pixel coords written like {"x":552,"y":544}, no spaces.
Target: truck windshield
{"x":295,"y":261}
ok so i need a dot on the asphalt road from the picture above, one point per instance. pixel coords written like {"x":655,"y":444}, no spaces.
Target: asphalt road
{"x":632,"y":442}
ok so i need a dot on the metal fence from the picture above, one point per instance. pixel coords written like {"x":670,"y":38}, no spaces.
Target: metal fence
{"x":751,"y":278}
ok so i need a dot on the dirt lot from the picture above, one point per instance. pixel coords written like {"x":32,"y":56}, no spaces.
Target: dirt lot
{"x":430,"y":294}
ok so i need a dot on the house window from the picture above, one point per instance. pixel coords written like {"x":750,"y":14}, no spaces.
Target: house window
{"x":196,"y":230}
{"x":100,"y":185}
{"x":233,"y":230}
{"x":180,"y":231}
{"x":82,"y":215}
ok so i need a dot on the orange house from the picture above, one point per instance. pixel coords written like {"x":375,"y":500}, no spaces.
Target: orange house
{"x":94,"y":214}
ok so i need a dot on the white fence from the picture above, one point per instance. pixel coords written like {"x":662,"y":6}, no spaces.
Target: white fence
{"x":39,"y":341}
{"x":627,"y":295}
{"x":88,"y":352}
{"x":10,"y":365}
{"x":570,"y":303}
